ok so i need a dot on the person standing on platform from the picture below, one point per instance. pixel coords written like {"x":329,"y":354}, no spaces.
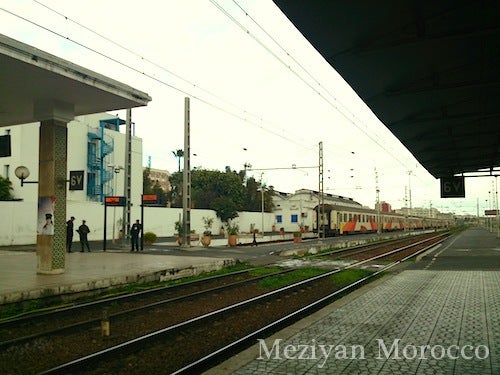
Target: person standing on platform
{"x":83,"y":231}
{"x":135,"y":231}
{"x":69,"y":233}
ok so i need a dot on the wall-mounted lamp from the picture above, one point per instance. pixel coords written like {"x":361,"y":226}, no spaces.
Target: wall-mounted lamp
{"x":23,"y":173}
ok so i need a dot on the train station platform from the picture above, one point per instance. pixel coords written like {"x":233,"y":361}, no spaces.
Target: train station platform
{"x":440,"y":315}
{"x":95,"y":270}
{"x":159,"y":261}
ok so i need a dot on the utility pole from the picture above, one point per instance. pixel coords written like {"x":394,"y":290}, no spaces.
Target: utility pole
{"x":128,"y":169}
{"x":497,"y":216}
{"x":321,"y":208}
{"x":262,"y":200}
{"x":477,"y":210}
{"x":406,"y":209}
{"x":377,"y":197}
{"x":247,"y":166}
{"x":186,"y":179}
{"x":409,"y":195}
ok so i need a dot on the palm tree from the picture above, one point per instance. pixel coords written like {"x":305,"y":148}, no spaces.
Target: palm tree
{"x":178,"y":154}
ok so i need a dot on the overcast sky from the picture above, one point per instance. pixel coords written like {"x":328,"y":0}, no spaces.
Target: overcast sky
{"x":260,"y":94}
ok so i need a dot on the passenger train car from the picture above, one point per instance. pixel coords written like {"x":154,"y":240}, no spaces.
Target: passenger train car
{"x":338,"y":220}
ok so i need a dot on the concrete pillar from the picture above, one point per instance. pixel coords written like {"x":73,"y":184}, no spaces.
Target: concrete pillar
{"x":52,"y":175}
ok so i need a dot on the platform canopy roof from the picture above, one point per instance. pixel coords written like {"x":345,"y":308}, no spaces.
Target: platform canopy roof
{"x":36,"y":86}
{"x":428,"y":69}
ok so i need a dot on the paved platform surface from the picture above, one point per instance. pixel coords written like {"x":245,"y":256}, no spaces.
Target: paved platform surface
{"x":440,"y":317}
{"x":162,"y":260}
{"x":97,"y":269}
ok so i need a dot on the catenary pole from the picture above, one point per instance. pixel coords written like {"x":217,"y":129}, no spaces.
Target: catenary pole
{"x":128,"y":167}
{"x":186,"y":178}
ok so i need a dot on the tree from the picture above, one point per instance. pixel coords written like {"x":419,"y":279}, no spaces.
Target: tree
{"x":225,"y":208}
{"x":147,"y":183}
{"x":223,"y":192}
{"x":220,"y":191}
{"x":153,"y":187}
{"x":178,"y":154}
{"x":254,"y":196}
{"x":160,"y":193}
{"x":174,"y":196}
{"x":6,"y":189}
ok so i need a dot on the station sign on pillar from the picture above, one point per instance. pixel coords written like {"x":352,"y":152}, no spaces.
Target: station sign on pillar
{"x":76,"y":180}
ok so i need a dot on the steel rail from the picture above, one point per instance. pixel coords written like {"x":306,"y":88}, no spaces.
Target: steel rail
{"x":92,"y":322}
{"x":369,"y":246}
{"x":295,"y":316}
{"x":25,"y":318}
{"x":129,"y":346}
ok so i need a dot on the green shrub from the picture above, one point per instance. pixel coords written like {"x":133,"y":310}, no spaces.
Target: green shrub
{"x":150,"y":237}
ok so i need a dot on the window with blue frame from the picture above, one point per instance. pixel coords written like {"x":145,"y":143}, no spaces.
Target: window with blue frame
{"x":279,"y":218}
{"x":295,"y":218}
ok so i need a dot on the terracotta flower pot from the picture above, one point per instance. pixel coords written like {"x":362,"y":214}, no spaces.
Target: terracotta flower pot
{"x":232,"y":240}
{"x":206,"y":240}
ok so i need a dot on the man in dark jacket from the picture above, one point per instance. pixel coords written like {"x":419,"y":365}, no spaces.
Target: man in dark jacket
{"x":135,"y":231}
{"x":69,"y":233}
{"x":83,"y":231}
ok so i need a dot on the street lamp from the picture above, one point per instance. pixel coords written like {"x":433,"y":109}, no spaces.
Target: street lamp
{"x":23,"y":173}
{"x":262,"y":201}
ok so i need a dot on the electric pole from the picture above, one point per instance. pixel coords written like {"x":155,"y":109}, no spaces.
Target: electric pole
{"x":321,"y":208}
{"x":377,"y":192}
{"x":186,"y":178}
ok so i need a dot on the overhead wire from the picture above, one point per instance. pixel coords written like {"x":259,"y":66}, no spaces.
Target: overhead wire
{"x":150,"y":76}
{"x":198,"y":87}
{"x":239,"y":24}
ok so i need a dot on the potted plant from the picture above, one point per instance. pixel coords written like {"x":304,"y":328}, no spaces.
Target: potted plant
{"x":207,"y":233}
{"x":297,"y":236}
{"x":149,"y":238}
{"x":193,"y":236}
{"x":179,"y":227}
{"x":232,"y":232}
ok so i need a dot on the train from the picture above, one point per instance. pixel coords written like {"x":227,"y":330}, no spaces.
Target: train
{"x":336,"y":220}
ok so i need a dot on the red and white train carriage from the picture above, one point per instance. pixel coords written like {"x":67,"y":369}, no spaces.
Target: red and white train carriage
{"x":338,"y":220}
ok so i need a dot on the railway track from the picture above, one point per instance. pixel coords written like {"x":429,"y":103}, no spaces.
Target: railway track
{"x":197,"y":340}
{"x":35,"y":326}
{"x":365,"y":251}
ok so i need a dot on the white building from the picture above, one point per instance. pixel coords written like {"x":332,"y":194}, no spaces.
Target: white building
{"x":95,"y":146}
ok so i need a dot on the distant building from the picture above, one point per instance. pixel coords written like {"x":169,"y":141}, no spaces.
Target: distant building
{"x":384,"y":207}
{"x":430,"y":212}
{"x":162,"y":177}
